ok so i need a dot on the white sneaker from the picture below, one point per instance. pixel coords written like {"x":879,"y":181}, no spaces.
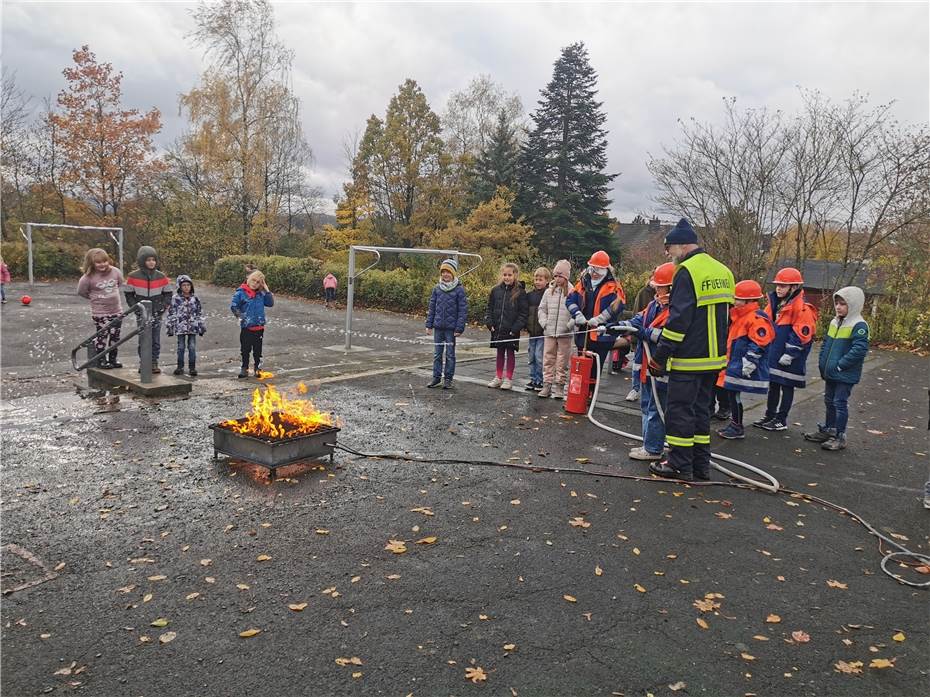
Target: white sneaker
{"x":506,"y":384}
{"x":557,"y":391}
{"x":632,"y":395}
{"x":643,"y":454}
{"x":496,"y":382}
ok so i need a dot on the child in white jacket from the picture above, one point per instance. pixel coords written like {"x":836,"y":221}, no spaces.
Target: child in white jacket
{"x":557,"y":324}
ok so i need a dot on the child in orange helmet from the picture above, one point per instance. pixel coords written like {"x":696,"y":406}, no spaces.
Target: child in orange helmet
{"x":750,"y":335}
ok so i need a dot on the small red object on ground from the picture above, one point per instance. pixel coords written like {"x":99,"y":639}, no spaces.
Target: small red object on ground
{"x":26,"y":299}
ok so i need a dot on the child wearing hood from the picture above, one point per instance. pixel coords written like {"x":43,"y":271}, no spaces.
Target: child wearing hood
{"x":841,"y":357}
{"x":448,"y":310}
{"x":557,"y":325}
{"x":185,"y":320}
{"x":248,"y":305}
{"x":148,"y":283}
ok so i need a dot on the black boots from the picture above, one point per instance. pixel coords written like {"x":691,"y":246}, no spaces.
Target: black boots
{"x":179,"y":370}
{"x":193,"y":370}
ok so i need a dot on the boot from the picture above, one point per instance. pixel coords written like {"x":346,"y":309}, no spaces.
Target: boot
{"x":663,"y":469}
{"x":244,"y":370}
{"x":193,"y":370}
{"x":179,"y":370}
{"x":546,"y":390}
{"x":113,"y":362}
{"x":821,"y":435}
{"x":837,"y":442}
{"x":155,"y":369}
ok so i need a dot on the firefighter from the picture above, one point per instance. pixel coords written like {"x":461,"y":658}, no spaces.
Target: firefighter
{"x":692,"y":350}
{"x":595,"y":299}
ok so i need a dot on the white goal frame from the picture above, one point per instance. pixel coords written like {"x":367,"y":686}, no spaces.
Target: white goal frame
{"x":116,"y":234}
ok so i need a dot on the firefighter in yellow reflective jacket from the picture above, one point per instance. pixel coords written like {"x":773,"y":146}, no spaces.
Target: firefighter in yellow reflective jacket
{"x":692,"y":350}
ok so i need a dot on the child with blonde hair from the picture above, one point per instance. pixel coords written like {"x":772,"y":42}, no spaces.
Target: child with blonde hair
{"x":557,"y":326}
{"x":4,"y":279}
{"x":248,"y":305}
{"x":536,"y":342}
{"x":101,"y":284}
{"x":505,"y":318}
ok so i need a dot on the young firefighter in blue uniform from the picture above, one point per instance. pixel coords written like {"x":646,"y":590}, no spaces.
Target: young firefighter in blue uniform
{"x":596,"y":298}
{"x":692,"y":350}
{"x":841,"y":356}
{"x":747,"y":370}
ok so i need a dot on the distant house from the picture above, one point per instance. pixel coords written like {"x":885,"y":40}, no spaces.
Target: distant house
{"x":821,"y":280}
{"x":643,"y":239}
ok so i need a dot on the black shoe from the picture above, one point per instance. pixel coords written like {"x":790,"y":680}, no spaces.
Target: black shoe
{"x":179,"y":370}
{"x":763,"y":422}
{"x":104,"y":365}
{"x":113,"y":362}
{"x":447,"y":385}
{"x":436,"y":382}
{"x":822,"y":435}
{"x":663,"y":469}
{"x":775,"y":425}
{"x":702,"y":476}
{"x":192,"y":372}
{"x":721,"y":415}
{"x":244,"y":371}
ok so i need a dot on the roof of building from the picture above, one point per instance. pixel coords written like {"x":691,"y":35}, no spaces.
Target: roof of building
{"x":823,"y":275}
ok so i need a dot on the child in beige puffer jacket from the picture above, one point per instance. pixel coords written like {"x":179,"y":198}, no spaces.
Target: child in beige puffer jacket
{"x":557,"y":325}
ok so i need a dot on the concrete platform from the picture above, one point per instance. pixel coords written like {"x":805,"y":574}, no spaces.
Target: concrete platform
{"x":161,"y":386}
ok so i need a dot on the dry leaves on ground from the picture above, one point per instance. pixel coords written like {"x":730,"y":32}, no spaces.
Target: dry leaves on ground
{"x":853,"y":668}
{"x":833,"y":583}
{"x":570,"y":598}
{"x":167,"y":637}
{"x":352,"y":661}
{"x":800,"y":637}
{"x":881,"y":663}
{"x":427,"y":540}
{"x":773,"y":619}
{"x":476,"y":674}
{"x":297,"y":607}
{"x":396,"y":546}
{"x":246,"y":634}
{"x":579,"y":522}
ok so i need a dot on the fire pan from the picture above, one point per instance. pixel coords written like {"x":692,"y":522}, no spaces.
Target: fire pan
{"x":270,"y":452}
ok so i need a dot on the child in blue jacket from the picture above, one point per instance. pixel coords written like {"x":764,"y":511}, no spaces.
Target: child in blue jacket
{"x":841,"y":357}
{"x":248,"y":304}
{"x":448,"y":310}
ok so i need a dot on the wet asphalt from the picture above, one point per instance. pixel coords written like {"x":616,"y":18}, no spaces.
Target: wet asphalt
{"x":552,"y":583}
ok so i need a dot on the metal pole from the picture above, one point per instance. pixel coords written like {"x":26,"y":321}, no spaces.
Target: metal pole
{"x":121,"y":250}
{"x":145,"y":343}
{"x":29,"y":244}
{"x":350,"y":297}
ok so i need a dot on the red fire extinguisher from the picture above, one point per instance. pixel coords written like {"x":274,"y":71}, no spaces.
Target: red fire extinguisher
{"x":580,"y":383}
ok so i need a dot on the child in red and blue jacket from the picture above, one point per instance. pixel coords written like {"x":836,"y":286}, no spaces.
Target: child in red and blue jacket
{"x":248,"y":304}
{"x":748,"y":340}
{"x":841,"y":357}
{"x":794,"y":320}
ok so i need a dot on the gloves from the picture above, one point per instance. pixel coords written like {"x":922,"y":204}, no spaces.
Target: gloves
{"x":785,"y":360}
{"x":623,"y":328}
{"x":580,"y":320}
{"x":655,"y":334}
{"x":602,"y":329}
{"x":594,"y":322}
{"x":748,"y":367}
{"x":655,"y":370}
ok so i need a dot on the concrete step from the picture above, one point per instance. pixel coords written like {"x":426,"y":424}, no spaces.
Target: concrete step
{"x":162,"y":385}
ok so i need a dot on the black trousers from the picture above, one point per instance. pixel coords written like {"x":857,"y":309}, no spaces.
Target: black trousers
{"x":687,"y":421}
{"x":251,"y":342}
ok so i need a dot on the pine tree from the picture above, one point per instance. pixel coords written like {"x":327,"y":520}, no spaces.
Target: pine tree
{"x":563,"y":187}
{"x":496,"y":165}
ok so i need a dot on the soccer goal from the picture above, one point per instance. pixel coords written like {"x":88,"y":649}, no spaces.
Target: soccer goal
{"x":350,"y":287}
{"x":115,"y":233}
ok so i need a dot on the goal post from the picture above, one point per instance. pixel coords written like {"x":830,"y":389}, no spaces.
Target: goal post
{"x":115,"y":233}
{"x":350,"y":281}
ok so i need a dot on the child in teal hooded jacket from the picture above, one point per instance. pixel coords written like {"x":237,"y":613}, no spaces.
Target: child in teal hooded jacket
{"x":841,"y":357}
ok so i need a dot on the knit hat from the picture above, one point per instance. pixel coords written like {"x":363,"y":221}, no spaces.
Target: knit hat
{"x":682,"y":233}
{"x":450,"y":265}
{"x":562,"y":268}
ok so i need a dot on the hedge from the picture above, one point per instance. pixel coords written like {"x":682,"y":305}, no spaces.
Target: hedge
{"x":49,"y":260}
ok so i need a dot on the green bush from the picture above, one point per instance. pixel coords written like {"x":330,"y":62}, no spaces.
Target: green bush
{"x":50,"y":260}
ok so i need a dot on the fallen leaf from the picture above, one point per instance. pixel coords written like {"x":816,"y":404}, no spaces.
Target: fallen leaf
{"x":475,"y":674}
{"x":427,"y":540}
{"x":160,"y":622}
{"x":357,"y":674}
{"x":853,"y":668}
{"x":706,"y":605}
{"x":157,"y":578}
{"x":147,"y":597}
{"x":747,"y":656}
{"x":582,"y":460}
{"x":579,"y":522}
{"x":514,"y":502}
{"x":639,"y":588}
{"x":249,"y":633}
{"x":636,"y":551}
{"x":722,"y":515}
{"x":263,"y":557}
{"x":702,"y":623}
{"x":598,"y":571}
{"x":760,"y":637}
{"x":396,"y":546}
{"x":881,"y":663}
{"x":209,"y":579}
{"x":126,"y":589}
{"x":483,"y":617}
{"x":424,"y":511}
{"x":899,"y":636}
{"x":242,"y":586}
{"x":167,"y":637}
{"x":875,"y":433}
{"x":509,"y":647}
{"x":800,"y":637}
{"x":321,"y":531}
{"x":836,"y":584}
{"x":773,"y":619}
{"x":191,"y":596}
{"x":675,"y":686}
{"x":392,"y":577}
{"x":206,"y":562}
{"x":570,"y":598}
{"x":355,"y":579}
{"x":297,"y":607}
{"x":59,"y":567}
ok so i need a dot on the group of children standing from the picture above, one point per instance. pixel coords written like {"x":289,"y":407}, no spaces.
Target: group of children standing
{"x":102,"y":283}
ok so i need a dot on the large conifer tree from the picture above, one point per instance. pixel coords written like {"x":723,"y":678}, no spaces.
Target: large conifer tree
{"x":496,"y":164}
{"x":563,"y":187}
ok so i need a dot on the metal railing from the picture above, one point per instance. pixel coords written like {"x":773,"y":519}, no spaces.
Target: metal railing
{"x":143,"y":312}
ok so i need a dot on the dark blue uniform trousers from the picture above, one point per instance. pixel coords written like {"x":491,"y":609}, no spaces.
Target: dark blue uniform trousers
{"x":687,"y":419}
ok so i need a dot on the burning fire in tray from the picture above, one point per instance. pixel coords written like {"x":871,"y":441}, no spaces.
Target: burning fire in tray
{"x":276,"y":417}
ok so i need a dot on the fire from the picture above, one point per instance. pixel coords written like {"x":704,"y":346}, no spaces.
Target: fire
{"x":275,"y":416}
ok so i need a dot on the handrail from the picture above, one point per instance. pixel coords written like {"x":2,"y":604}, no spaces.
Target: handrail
{"x":143,"y":307}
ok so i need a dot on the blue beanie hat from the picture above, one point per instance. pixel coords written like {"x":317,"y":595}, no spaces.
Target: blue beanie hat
{"x":682,"y":233}
{"x":450,"y":265}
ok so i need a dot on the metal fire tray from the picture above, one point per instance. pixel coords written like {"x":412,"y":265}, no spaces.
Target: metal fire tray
{"x":272,"y":453}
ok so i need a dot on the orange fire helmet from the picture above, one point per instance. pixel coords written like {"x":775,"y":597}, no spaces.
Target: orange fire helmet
{"x":599,"y":258}
{"x":788,"y":276}
{"x":663,"y":274}
{"x":748,"y":290}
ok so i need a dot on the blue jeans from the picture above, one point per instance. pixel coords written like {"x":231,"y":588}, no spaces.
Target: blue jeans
{"x":836,"y":397}
{"x":156,"y":339}
{"x":188,"y":341}
{"x":443,"y":341}
{"x":535,"y":353}
{"x":2,"y":291}
{"x":653,"y":427}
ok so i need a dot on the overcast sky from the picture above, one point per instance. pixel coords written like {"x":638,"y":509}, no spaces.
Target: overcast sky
{"x":656,"y":62}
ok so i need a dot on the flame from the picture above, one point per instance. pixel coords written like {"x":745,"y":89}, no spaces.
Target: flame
{"x":275,"y":416}
{"x":264,"y":375}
